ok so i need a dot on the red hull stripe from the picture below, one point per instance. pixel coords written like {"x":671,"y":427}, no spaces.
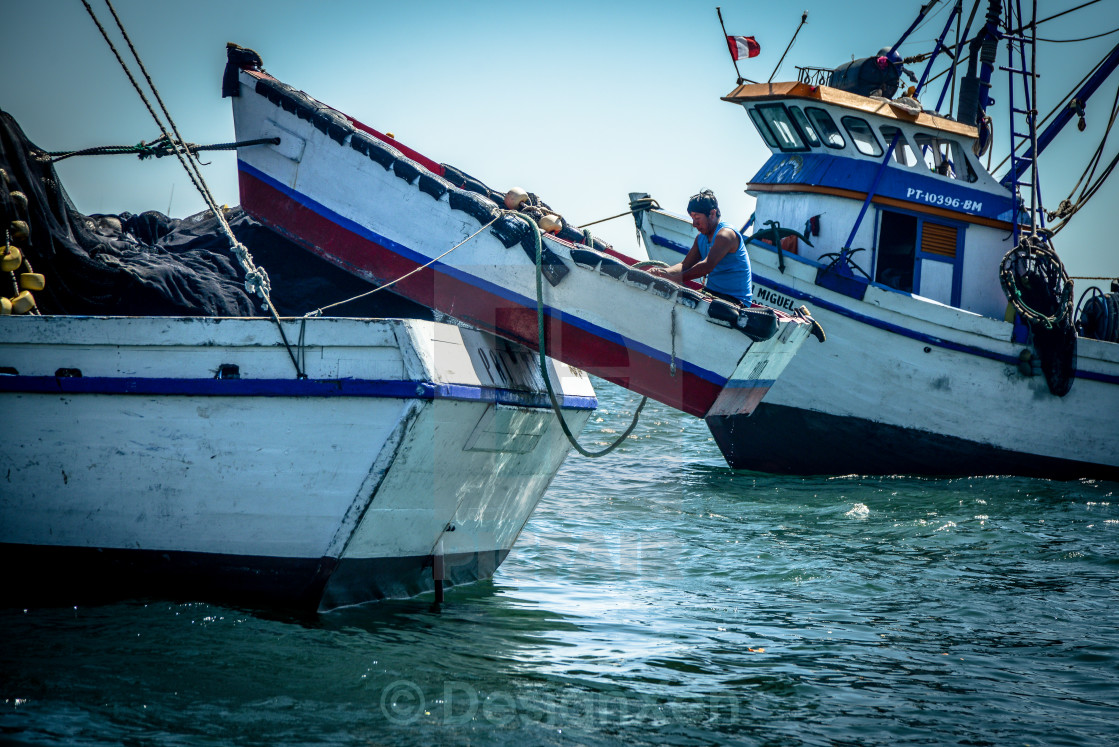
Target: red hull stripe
{"x":416,"y":156}
{"x":599,"y":351}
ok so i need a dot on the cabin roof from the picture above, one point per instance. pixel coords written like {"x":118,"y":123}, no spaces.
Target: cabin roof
{"x":748,"y":92}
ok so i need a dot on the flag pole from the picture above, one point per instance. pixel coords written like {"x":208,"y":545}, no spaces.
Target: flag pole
{"x":719,"y":10}
{"x":803,"y":19}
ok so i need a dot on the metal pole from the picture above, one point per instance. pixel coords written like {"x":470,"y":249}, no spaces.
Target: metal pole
{"x":803,"y":20}
{"x":726,"y":39}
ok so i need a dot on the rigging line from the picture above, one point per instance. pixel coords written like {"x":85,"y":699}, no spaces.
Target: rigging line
{"x":255,"y":279}
{"x":1035,"y":177}
{"x":1099,"y":150}
{"x":178,"y":142}
{"x":140,"y":92}
{"x":1089,"y":192}
{"x":1082,"y":39}
{"x":1057,"y":108}
{"x":1062,"y":13}
{"x":321,"y":309}
{"x":1015,"y":32}
{"x":603,"y":220}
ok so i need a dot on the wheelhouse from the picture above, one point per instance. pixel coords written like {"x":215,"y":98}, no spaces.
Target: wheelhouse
{"x":936,"y":221}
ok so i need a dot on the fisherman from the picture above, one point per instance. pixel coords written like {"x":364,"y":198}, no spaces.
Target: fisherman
{"x":718,"y":252}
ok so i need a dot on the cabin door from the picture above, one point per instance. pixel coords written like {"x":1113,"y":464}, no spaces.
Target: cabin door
{"x":920,"y":256}
{"x":897,"y":249}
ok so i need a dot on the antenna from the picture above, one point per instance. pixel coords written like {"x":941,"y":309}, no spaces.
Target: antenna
{"x":803,"y":20}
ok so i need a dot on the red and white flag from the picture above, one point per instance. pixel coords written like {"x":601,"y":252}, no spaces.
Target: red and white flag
{"x":742,"y":47}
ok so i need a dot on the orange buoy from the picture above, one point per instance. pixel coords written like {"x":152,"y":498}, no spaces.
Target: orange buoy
{"x":515,"y":197}
{"x":549,"y":223}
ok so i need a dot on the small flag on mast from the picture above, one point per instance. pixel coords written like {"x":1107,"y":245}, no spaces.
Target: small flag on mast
{"x":742,"y":47}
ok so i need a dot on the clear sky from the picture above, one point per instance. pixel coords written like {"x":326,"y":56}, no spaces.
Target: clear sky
{"x":581,"y":102}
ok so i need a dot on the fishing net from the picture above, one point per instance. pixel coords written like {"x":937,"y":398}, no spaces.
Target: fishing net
{"x":149,"y":264}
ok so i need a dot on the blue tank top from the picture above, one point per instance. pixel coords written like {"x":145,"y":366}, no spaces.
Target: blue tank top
{"x":732,"y":276}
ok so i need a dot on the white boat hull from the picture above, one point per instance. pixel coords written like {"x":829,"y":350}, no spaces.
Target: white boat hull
{"x":146,"y":474}
{"x":906,"y":385}
{"x":384,"y":212}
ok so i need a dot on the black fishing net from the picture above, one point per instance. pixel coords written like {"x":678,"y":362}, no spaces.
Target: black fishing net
{"x":152,"y":265}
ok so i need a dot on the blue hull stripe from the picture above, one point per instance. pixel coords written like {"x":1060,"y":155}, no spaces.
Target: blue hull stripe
{"x":669,"y":245}
{"x":750,"y":383}
{"x":497,"y":290}
{"x":864,"y":319}
{"x":912,"y":334}
{"x":285,"y":388}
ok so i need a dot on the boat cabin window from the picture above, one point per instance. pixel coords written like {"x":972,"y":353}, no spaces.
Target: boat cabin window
{"x":863,"y":136}
{"x":902,"y":154}
{"x":825,"y":126}
{"x":945,"y":157}
{"x":763,"y":128}
{"x":781,"y":125}
{"x":805,"y":126}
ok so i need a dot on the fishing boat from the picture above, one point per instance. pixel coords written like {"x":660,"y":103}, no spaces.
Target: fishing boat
{"x":877,"y":213}
{"x":309,"y":462}
{"x":500,"y":261}
{"x":180,"y":456}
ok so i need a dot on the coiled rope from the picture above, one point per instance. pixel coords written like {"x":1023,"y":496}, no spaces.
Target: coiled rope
{"x":1034,"y":279}
{"x":1039,"y":288}
{"x":256,"y":279}
{"x":544,"y":356}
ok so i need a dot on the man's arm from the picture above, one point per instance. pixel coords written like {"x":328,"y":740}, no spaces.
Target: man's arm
{"x":726,"y":241}
{"x":675,"y":273}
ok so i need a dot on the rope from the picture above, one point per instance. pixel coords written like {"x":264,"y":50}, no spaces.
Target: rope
{"x":544,"y":355}
{"x":256,"y":279}
{"x":631,"y":211}
{"x":321,"y":309}
{"x":157,"y":148}
{"x":1032,"y":273}
{"x":1060,"y":105}
{"x":672,"y":334}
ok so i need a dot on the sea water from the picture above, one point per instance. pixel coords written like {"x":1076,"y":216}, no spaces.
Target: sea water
{"x":655,"y":597}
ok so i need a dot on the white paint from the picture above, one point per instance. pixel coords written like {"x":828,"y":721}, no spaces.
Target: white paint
{"x":272,"y":476}
{"x":867,"y":372}
{"x":360,"y":190}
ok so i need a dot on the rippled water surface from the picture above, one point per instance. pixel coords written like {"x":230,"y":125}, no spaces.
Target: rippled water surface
{"x":656,"y":597}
